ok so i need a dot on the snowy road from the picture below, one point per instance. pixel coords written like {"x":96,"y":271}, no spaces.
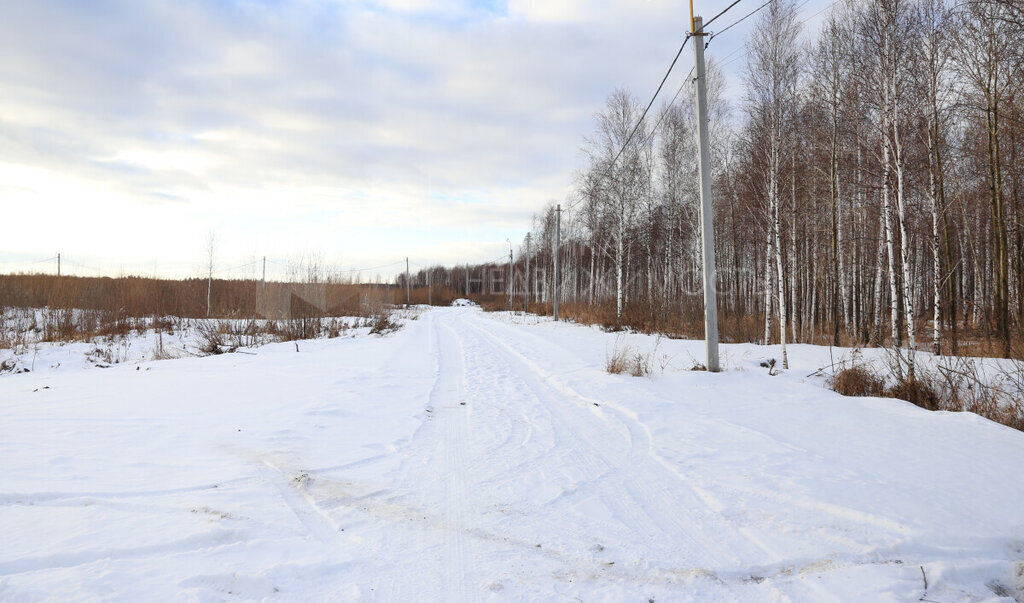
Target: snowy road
{"x":478,"y":457}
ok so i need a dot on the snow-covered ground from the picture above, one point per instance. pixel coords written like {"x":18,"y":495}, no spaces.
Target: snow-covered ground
{"x":176,"y":338}
{"x":471,"y":456}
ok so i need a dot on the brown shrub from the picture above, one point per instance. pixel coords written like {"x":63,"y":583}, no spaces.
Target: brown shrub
{"x":384,"y":324}
{"x":617,"y":361}
{"x":857,"y":381}
{"x":919,"y":392}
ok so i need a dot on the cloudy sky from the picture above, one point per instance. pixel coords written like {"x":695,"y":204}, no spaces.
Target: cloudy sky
{"x":359,"y":132}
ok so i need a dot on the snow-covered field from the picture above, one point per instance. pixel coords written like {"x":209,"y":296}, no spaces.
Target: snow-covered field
{"x":471,"y":456}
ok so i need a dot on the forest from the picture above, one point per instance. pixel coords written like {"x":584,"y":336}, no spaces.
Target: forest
{"x":867,"y":190}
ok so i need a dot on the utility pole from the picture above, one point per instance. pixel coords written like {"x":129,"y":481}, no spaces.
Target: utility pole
{"x":58,"y":264}
{"x":263,"y":284}
{"x":706,"y":217}
{"x":558,"y":246}
{"x":210,"y":242}
{"x":467,"y":280}
{"x":510,"y":274}
{"x":430,"y":291}
{"x":406,"y":281}
{"x":526,"y":289}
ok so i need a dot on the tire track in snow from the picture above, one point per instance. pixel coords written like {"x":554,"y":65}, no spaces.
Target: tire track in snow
{"x":449,"y":406}
{"x":838,"y":512}
{"x":644,"y":477}
{"x":509,"y":437}
{"x":580,"y":466}
{"x":629,"y":488}
{"x":705,"y":526}
{"x":423,"y":542}
{"x":192,"y":544}
{"x":291,"y":487}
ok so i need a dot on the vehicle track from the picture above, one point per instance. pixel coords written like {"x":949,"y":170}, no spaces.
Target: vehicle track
{"x":676,"y":516}
{"x":449,"y":406}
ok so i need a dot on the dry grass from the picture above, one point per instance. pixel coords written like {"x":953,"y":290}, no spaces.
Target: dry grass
{"x":624,"y":359}
{"x":135,"y":297}
{"x":640,"y":365}
{"x":685,"y":319}
{"x":383,"y":323}
{"x":436,"y":295}
{"x":955,"y":384}
{"x":857,"y":380}
{"x":919,"y":391}
{"x":244,"y":312}
{"x":617,"y":361}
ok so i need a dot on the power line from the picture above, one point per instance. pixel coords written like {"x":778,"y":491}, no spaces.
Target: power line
{"x":335,"y":270}
{"x":23,"y":266}
{"x":740,"y":20}
{"x":640,"y":121}
{"x":725,"y":60}
{"x":671,"y":102}
{"x":653,"y":98}
{"x":570,"y":206}
{"x":827,"y":6}
{"x":745,"y":48}
{"x":49,"y":259}
{"x":661,"y":85}
{"x":232,"y":268}
{"x":665,"y":78}
{"x":712,"y":19}
{"x":347,"y":270}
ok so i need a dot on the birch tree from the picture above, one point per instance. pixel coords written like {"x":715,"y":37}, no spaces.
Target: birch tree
{"x":772,"y":70}
{"x":624,"y":175}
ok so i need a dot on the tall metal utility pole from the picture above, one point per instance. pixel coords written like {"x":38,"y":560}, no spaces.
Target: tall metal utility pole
{"x":706,"y":218}
{"x":407,"y":281}
{"x":526,"y":289}
{"x":558,"y":246}
{"x":510,"y":274}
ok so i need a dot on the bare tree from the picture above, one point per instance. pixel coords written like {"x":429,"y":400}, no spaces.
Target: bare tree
{"x":933,"y":40}
{"x":772,"y":69}
{"x":986,"y":64}
{"x":623,"y":173}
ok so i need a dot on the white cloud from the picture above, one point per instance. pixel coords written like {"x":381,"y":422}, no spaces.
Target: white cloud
{"x":136,"y":126}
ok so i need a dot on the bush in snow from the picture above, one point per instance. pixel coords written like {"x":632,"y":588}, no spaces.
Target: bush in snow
{"x":383,"y":324}
{"x":857,"y":380}
{"x":623,"y":359}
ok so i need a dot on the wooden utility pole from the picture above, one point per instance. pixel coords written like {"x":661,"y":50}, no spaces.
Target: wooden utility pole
{"x":263,"y":282}
{"x":407,"y":281}
{"x":58,"y":264}
{"x":706,"y":217}
{"x":430,"y":291}
{"x":558,"y":246}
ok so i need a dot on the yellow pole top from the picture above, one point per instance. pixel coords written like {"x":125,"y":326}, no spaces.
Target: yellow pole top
{"x":693,"y":25}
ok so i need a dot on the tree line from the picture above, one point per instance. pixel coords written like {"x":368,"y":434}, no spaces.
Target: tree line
{"x":867,"y":190}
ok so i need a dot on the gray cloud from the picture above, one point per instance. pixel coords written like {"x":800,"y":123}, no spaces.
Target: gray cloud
{"x":359,"y":108}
